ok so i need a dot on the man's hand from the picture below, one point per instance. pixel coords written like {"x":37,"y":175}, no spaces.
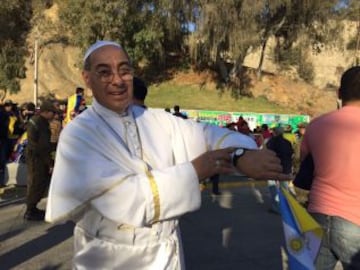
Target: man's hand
{"x":261,"y":165}
{"x":214,"y":162}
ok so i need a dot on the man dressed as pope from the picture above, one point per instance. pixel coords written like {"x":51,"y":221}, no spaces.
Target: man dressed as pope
{"x":125,"y":174}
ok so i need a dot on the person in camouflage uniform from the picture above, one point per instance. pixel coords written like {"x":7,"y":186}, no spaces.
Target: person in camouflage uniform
{"x":38,"y":159}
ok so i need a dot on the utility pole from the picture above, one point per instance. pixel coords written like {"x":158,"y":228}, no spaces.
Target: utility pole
{"x":357,"y":55}
{"x":36,"y":73}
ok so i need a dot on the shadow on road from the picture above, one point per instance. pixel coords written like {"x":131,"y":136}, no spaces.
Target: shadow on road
{"x":232,"y":231}
{"x":53,"y":236}
{"x":9,"y":235}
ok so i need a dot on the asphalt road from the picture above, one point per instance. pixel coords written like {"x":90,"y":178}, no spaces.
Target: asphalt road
{"x":230,"y":231}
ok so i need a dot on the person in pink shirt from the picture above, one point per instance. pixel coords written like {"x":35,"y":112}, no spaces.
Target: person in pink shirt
{"x":333,"y":141}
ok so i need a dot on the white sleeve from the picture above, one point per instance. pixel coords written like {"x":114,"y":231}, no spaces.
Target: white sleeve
{"x":218,"y":137}
{"x":143,"y":199}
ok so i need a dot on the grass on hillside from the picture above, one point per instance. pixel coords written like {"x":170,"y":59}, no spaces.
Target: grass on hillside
{"x":193,"y":97}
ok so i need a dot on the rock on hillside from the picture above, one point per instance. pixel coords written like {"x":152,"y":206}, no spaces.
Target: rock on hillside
{"x":307,"y":99}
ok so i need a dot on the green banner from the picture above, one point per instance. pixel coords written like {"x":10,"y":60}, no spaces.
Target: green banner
{"x":222,"y":118}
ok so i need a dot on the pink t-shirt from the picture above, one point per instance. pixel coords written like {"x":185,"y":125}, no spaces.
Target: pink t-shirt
{"x":334,"y":141}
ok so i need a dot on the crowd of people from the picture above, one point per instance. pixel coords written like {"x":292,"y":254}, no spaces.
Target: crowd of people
{"x":143,"y":167}
{"x":29,"y":134}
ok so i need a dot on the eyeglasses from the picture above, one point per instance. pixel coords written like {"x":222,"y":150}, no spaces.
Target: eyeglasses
{"x":106,"y":75}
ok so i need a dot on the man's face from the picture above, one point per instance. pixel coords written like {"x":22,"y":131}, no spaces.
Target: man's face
{"x":48,"y":115}
{"x":302,"y":130}
{"x":109,"y":78}
{"x":8,"y":107}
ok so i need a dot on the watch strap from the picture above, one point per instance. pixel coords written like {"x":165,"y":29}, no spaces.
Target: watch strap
{"x":236,"y":157}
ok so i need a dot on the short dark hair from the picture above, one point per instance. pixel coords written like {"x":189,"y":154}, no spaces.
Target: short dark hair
{"x":350,"y":85}
{"x":176,"y":108}
{"x":47,"y":106}
{"x":140,"y":89}
{"x":30,"y":106}
{"x":87,"y":64}
{"x":265,"y":126}
{"x":79,"y":90}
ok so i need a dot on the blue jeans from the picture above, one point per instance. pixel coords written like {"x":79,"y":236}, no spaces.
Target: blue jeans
{"x":273,"y":190}
{"x":341,"y":242}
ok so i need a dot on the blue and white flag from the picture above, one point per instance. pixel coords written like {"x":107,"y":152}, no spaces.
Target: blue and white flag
{"x":302,"y":233}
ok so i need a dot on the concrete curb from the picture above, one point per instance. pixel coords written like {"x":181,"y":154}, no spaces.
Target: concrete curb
{"x":4,"y":203}
{"x":12,"y":194}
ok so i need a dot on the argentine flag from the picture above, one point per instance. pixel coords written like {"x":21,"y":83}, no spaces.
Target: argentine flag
{"x":302,"y":233}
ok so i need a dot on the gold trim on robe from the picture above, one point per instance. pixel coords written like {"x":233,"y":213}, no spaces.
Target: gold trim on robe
{"x":221,"y":140}
{"x":156,"y":197}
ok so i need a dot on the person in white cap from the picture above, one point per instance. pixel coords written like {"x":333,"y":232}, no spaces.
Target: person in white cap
{"x":126,"y":174}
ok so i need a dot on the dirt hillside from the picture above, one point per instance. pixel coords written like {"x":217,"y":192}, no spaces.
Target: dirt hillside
{"x":307,"y":99}
{"x":59,"y":74}
{"x":282,"y":90}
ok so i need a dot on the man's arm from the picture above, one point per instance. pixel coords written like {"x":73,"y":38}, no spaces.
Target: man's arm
{"x":261,"y":165}
{"x":257,"y":164}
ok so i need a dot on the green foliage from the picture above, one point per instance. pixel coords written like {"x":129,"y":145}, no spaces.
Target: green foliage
{"x":15,"y":21}
{"x":12,"y":67}
{"x":226,"y":30}
{"x":146,"y":29}
{"x":88,"y":21}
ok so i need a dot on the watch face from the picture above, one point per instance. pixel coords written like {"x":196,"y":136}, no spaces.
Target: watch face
{"x":239,"y":152}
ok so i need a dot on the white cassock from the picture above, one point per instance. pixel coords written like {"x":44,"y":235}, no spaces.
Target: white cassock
{"x":126,"y":199}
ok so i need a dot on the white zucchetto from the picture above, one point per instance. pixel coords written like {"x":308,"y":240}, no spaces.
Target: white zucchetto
{"x":97,"y":45}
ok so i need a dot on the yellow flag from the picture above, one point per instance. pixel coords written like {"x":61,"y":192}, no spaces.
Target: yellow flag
{"x":71,"y":104}
{"x":302,"y":233}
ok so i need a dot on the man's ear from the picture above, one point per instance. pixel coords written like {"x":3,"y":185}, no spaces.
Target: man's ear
{"x":86,"y":77}
{"x":339,"y":93}
{"x":339,"y":103}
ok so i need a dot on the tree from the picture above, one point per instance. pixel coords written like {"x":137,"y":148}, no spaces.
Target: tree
{"x":15,"y":21}
{"x":311,"y":23}
{"x":351,"y":11}
{"x":147,"y":29}
{"x":299,"y":26}
{"x":226,"y":32}
{"x":270,"y":20}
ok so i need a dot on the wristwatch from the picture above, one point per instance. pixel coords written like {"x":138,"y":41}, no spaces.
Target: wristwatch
{"x":239,"y":152}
